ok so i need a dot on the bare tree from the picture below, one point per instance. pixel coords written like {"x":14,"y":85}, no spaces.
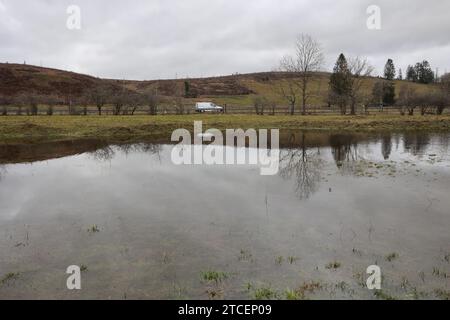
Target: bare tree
{"x":178,"y":94}
{"x":29,"y":100}
{"x":4,"y":102}
{"x":51,"y":102}
{"x":289,"y":91}
{"x":260,"y":102}
{"x":445,"y":83}
{"x":360,"y":68}
{"x":152,"y":100}
{"x":407,"y":99}
{"x":307,"y":60}
{"x":98,"y":96}
{"x":134,"y":101}
{"x":118,"y":100}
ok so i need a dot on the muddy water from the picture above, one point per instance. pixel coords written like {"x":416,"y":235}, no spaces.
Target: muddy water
{"x":143,"y":228}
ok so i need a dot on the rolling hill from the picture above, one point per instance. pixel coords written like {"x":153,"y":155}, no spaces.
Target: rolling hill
{"x":234,"y":90}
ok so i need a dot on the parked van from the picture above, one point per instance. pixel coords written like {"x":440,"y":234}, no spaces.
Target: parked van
{"x":207,"y":107}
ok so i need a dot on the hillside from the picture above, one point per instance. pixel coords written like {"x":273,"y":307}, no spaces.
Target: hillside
{"x":234,"y":90}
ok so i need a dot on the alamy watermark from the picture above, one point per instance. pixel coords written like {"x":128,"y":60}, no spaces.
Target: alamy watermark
{"x":374,"y":20}
{"x":74,"y":280}
{"x":191,"y":150}
{"x":73,"y":21}
{"x":374,"y":280}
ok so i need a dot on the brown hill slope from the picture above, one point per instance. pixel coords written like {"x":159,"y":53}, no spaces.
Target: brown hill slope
{"x":17,"y":78}
{"x":237,"y":90}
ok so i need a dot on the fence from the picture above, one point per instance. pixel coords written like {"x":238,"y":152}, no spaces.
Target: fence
{"x":170,"y":110}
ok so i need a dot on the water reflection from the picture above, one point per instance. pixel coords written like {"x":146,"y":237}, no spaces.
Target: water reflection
{"x":303,"y":165}
{"x":302,"y":156}
{"x":109,"y":152}
{"x":2,"y":171}
{"x":162,"y":225}
{"x":416,"y":143}
{"x":386,"y":146}
{"x":344,"y":149}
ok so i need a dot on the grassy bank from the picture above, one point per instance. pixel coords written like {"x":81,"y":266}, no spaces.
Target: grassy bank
{"x":44,"y":128}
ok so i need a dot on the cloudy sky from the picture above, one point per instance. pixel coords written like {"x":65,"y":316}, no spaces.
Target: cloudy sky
{"x":152,"y":39}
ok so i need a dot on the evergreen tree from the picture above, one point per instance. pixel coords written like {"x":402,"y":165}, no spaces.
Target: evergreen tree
{"x":389,"y":70}
{"x":383,"y":93}
{"x":411,"y":74}
{"x":388,"y":93}
{"x":400,"y":74}
{"x":424,"y":73}
{"x":340,"y":82}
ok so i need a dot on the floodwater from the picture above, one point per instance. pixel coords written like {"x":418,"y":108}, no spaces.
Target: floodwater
{"x":141,"y":227}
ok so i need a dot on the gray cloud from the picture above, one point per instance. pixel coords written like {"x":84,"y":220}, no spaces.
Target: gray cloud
{"x":148,"y":39}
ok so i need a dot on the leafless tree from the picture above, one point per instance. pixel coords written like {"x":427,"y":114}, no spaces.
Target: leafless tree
{"x":178,"y":94}
{"x":29,"y":100}
{"x":289,"y":91}
{"x":118,"y":100}
{"x":444,"y":94}
{"x":360,"y":68}
{"x":307,"y":60}
{"x":152,"y":100}
{"x":134,"y":101}
{"x":4,"y":102}
{"x":98,"y":96}
{"x":51,"y":102}
{"x":260,"y":102}
{"x":407,"y":99}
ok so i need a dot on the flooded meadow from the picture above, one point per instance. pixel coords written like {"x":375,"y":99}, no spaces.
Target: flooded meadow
{"x":141,"y":227}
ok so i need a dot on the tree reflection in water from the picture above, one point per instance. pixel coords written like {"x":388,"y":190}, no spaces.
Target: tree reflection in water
{"x":304,"y":166}
{"x":344,"y":149}
{"x":416,"y":143}
{"x":386,"y":146}
{"x":104,"y":154}
{"x":108,"y":153}
{"x":2,"y":171}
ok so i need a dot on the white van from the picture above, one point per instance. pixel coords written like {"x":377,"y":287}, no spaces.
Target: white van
{"x":207,"y":107}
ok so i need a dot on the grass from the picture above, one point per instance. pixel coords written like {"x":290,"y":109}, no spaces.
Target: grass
{"x":392,"y":256}
{"x":439,"y":273}
{"x":380,"y":294}
{"x":292,"y":259}
{"x":94,"y":229}
{"x":9,"y":277}
{"x":442,"y":294}
{"x":333,"y":265}
{"x":265,"y":293}
{"x":124,"y":128}
{"x":293,"y":295}
{"x":214,"y":276}
{"x":279,"y":260}
{"x":301,"y":292}
{"x":245,"y":255}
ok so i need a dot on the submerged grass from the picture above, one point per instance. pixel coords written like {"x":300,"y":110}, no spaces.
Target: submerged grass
{"x":265,"y":293}
{"x":51,"y":128}
{"x":8,"y":278}
{"x":333,"y":265}
{"x":392,"y":256}
{"x":214,"y":276}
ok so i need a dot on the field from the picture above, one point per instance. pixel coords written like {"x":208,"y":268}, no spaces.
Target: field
{"x":122,"y":128}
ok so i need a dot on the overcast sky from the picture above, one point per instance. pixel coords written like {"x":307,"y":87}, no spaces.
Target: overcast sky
{"x":152,"y":39}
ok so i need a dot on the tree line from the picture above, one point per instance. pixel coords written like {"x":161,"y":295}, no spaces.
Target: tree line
{"x":121,"y":100}
{"x":347,"y":88}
